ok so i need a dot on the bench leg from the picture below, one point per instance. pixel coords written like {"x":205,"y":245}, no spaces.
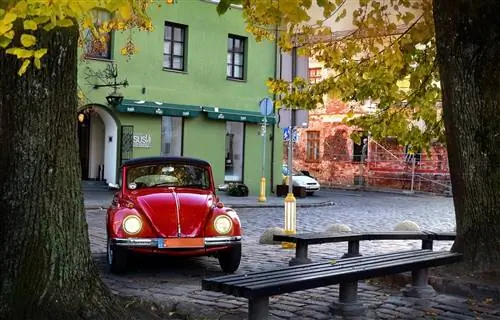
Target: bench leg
{"x":419,"y":287}
{"x":352,"y":250}
{"x":258,"y":308}
{"x":300,"y":255}
{"x":348,"y":305}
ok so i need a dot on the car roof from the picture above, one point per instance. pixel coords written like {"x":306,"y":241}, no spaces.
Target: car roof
{"x":159,"y":159}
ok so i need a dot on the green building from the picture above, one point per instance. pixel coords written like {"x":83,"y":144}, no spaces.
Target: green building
{"x":194,"y":88}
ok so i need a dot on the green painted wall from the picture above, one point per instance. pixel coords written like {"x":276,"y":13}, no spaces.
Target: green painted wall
{"x":208,"y":144}
{"x":204,"y":83}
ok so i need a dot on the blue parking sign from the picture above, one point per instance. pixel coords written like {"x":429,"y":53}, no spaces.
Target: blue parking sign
{"x":286,"y":134}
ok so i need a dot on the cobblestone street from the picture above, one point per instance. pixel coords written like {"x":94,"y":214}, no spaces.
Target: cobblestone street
{"x":178,"y":281}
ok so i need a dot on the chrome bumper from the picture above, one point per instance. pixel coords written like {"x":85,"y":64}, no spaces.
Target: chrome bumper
{"x":154,"y":242}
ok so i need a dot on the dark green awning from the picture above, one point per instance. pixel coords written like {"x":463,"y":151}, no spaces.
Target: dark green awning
{"x":158,"y":108}
{"x":237,"y":115}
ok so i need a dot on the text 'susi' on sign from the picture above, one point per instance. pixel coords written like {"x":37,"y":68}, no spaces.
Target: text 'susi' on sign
{"x":142,"y":140}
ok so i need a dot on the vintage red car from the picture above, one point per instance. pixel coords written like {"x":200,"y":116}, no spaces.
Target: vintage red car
{"x":168,"y":206}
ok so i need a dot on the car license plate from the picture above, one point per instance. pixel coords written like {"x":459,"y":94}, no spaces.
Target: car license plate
{"x":182,"y":243}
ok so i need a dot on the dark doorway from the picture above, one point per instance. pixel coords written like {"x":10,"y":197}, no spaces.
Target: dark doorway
{"x":84,"y":142}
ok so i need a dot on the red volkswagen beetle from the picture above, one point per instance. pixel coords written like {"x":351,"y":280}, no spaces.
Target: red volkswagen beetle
{"x":168,"y":206}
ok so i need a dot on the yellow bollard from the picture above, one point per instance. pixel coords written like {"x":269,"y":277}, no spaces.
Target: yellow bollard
{"x":262,"y":194}
{"x":290,"y":219}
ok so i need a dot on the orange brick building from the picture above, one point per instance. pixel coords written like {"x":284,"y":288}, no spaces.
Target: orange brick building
{"x":326,"y":150}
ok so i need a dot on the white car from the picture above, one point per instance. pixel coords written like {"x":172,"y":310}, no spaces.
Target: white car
{"x":299,"y":179}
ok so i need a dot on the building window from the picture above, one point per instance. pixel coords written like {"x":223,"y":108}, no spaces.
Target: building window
{"x":312,"y":146}
{"x":236,"y":57}
{"x":360,"y":151}
{"x":95,"y":48}
{"x":314,"y":75}
{"x":174,"y":47}
{"x":235,"y":132}
{"x":171,"y":136}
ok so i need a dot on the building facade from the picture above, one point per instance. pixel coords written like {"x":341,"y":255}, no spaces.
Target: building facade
{"x":328,"y":152}
{"x":194,"y":88}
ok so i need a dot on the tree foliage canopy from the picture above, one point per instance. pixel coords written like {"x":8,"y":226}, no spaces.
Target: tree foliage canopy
{"x":45,"y":15}
{"x":387,"y":56}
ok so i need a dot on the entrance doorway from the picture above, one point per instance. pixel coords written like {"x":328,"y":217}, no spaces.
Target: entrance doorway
{"x":97,"y":140}
{"x":84,"y":142}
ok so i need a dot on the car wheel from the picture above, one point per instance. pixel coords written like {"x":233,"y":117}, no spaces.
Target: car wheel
{"x":310,"y":193}
{"x":116,"y":258}
{"x":229,"y":259}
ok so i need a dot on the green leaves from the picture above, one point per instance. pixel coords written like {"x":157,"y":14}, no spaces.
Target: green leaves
{"x":380,"y":62}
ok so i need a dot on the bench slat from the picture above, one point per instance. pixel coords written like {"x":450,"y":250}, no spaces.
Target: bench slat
{"x":320,"y":238}
{"x":347,"y":275}
{"x":334,"y":269}
{"x":282,"y":281}
{"x":297,"y":268}
{"x":324,"y":267}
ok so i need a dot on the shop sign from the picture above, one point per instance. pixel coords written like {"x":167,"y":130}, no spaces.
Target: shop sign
{"x":142,"y":140}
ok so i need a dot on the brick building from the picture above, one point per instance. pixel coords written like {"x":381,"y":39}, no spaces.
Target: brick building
{"x":326,"y":150}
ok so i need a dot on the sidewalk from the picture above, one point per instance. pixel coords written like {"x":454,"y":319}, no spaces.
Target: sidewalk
{"x":100,"y":198}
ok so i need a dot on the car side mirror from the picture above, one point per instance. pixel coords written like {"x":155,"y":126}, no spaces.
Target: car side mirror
{"x":113,"y":186}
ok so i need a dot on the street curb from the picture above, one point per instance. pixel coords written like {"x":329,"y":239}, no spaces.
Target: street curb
{"x":298,"y":205}
{"x":387,"y":191}
{"x":241,"y":205}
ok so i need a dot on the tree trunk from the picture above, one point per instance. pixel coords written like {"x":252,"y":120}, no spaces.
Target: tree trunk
{"x":468,"y":51}
{"x":46,"y":268}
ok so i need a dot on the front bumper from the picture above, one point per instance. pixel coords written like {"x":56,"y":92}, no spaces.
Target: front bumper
{"x":159,"y":242}
{"x":311,"y":187}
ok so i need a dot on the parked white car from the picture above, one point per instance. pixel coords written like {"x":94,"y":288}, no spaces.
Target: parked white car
{"x":299,"y":179}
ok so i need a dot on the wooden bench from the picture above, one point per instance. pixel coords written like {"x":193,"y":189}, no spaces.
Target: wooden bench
{"x":257,"y":287}
{"x":303,"y":241}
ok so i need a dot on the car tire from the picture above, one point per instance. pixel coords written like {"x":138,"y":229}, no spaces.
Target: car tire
{"x":229,"y":259}
{"x":116,"y":259}
{"x":310,"y":193}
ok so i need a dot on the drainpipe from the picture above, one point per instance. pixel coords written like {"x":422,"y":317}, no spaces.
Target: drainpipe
{"x":277,"y":74}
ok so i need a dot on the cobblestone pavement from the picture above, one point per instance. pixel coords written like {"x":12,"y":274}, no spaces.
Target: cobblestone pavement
{"x":177,"y":281}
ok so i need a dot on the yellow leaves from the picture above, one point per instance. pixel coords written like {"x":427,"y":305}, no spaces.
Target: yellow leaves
{"x":28,"y":40}
{"x":30,"y":25}
{"x":4,"y":41}
{"x":20,"y":53}
{"x":25,"y":55}
{"x":125,"y":11}
{"x":24,"y":67}
{"x":65,"y":23}
{"x":9,"y":35}
{"x":39,"y":53}
{"x":9,"y":17}
{"x":21,"y":9}
{"x":45,"y":15}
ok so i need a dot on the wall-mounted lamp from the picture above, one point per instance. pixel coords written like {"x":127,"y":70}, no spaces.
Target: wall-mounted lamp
{"x":114,"y":99}
{"x":81,"y":117}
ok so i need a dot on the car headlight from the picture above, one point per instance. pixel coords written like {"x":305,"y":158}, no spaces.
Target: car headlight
{"x":132,"y":225}
{"x":223,"y":224}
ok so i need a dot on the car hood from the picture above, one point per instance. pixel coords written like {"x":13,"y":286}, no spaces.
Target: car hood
{"x":176,"y":212}
{"x":303,"y":179}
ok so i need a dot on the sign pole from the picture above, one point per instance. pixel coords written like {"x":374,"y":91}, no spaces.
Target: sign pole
{"x":266,"y":108}
{"x":262,"y":193}
{"x":290,"y":201}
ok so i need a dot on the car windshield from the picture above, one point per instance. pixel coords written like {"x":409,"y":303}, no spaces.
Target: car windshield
{"x":168,"y":175}
{"x":284,"y":170}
